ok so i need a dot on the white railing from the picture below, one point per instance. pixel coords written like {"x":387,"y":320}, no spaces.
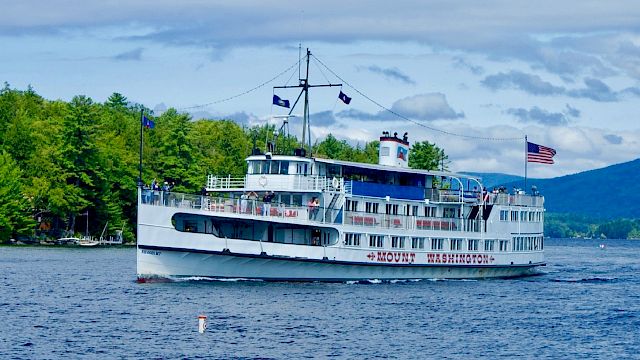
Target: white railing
{"x":277,"y":182}
{"x":515,"y":199}
{"x":214,"y":182}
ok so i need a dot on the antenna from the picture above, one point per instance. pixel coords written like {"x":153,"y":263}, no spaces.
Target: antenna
{"x":304,"y":84}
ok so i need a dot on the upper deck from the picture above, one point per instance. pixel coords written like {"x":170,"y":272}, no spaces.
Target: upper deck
{"x":304,"y":175}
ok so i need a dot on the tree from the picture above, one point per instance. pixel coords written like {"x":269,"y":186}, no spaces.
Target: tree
{"x":427,"y":156}
{"x":14,"y":206}
{"x":170,"y":152}
{"x":79,"y":155}
{"x":220,"y":147}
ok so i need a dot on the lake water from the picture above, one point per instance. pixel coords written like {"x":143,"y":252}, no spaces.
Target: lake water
{"x":84,"y":303}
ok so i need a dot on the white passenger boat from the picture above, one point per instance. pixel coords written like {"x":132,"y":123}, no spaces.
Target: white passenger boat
{"x":331,"y":220}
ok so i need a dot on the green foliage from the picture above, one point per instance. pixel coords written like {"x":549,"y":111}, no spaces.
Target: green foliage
{"x":427,"y":156}
{"x":579,"y":226}
{"x":333,"y":148}
{"x":14,"y":210}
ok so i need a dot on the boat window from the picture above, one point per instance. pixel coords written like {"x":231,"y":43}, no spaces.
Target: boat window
{"x":265,"y":167}
{"x":417,"y":243}
{"x":504,"y":215}
{"x":514,"y":216}
{"x":414,"y":210}
{"x":504,"y":245}
{"x":351,"y":239}
{"x":371,"y":207}
{"x":449,"y":212}
{"x":472,"y":244}
{"x":489,"y":245}
{"x":351,"y":205}
{"x":376,"y":241}
{"x":437,"y":244}
{"x":284,"y":167}
{"x":275,"y":167}
{"x":397,"y":242}
{"x":392,"y":209}
{"x":456,"y":244}
{"x":430,"y":211}
{"x":384,"y":151}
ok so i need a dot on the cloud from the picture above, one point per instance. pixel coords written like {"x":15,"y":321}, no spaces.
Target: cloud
{"x":531,"y":84}
{"x":461,"y":63}
{"x":390,"y":73}
{"x":429,"y":107}
{"x":135,"y":55}
{"x":426,"y":107}
{"x":593,"y":89}
{"x":324,"y":118}
{"x":544,"y":117}
{"x":613,"y":139}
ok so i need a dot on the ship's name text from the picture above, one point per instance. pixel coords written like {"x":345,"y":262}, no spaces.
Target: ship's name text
{"x":392,"y":257}
{"x":459,"y":258}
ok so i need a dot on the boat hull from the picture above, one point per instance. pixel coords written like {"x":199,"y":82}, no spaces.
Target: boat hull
{"x":167,"y":262}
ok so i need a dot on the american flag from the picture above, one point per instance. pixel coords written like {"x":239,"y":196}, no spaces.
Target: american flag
{"x":539,"y":154}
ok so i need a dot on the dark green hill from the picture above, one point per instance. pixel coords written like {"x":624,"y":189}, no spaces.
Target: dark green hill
{"x":606,"y":193}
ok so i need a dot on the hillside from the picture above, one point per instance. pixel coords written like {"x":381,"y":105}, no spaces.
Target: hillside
{"x":606,"y":193}
{"x":489,"y":180}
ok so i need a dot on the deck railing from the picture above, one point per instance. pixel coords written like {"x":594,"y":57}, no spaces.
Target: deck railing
{"x":278,"y":182}
{"x":255,"y":209}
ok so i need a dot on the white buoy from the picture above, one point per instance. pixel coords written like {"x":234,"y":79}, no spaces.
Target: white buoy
{"x":202,"y":323}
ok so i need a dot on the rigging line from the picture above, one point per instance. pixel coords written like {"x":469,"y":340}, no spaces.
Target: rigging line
{"x":321,"y":72}
{"x":242,"y":93}
{"x":411,"y":120}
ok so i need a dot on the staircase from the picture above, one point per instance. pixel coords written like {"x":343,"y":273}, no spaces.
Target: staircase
{"x":334,"y":208}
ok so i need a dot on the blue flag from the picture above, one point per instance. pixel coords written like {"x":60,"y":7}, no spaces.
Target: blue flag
{"x":280,"y":102}
{"x":148,"y":123}
{"x":345,"y":99}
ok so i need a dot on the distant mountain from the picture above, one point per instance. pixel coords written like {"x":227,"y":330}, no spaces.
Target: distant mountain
{"x":607,"y":193}
{"x":489,"y":180}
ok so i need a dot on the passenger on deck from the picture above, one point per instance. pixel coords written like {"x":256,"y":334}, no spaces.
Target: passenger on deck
{"x":243,"y":203}
{"x":266,"y":206}
{"x":313,"y":207}
{"x":252,"y":197}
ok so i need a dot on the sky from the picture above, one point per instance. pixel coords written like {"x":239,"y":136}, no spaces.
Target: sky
{"x":473,"y":77}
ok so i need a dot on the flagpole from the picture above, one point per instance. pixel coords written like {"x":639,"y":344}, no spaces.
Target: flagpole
{"x":140,"y":164}
{"x":526,"y":150}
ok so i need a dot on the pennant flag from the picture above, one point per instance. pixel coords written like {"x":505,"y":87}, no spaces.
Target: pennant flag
{"x":148,"y":123}
{"x":539,"y":154}
{"x":345,"y":99}
{"x":280,"y":102}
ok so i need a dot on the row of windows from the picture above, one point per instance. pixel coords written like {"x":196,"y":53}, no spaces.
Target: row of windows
{"x":522,"y":216}
{"x":269,"y":167}
{"x":372,"y":207}
{"x":400,"y":242}
{"x":528,"y":243}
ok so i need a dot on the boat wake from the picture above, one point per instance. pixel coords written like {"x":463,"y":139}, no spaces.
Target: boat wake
{"x":209,"y":279}
{"x":592,"y":280}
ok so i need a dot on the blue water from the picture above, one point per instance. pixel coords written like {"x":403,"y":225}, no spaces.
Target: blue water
{"x":84,"y":303}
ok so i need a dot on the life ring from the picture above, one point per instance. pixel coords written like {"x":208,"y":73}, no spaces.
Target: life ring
{"x":335,"y":183}
{"x":262,"y":181}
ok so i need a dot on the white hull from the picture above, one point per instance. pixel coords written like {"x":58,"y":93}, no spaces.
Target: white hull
{"x":158,"y":262}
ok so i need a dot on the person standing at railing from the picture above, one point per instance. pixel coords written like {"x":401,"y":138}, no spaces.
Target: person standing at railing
{"x":252,"y":197}
{"x":243,"y":203}
{"x":313,"y":205}
{"x":266,"y":206}
{"x":165,"y":193}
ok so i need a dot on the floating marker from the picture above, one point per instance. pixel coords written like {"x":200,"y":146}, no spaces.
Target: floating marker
{"x":202,"y":323}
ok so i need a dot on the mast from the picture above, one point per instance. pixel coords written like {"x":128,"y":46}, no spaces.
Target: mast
{"x":305,"y":86}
